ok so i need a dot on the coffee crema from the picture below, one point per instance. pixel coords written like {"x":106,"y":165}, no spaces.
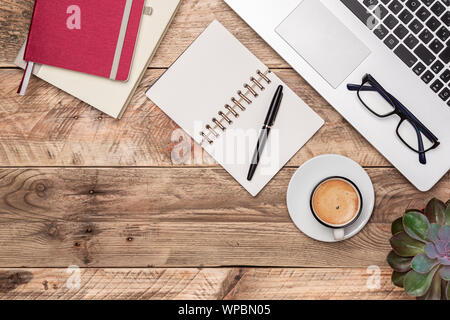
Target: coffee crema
{"x":336,"y":202}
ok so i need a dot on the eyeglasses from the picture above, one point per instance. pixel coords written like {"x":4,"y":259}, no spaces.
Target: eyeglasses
{"x":413,"y":133}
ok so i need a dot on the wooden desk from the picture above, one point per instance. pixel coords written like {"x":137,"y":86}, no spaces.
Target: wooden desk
{"x":79,"y":188}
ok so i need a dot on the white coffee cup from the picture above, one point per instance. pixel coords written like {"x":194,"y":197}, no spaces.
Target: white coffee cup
{"x":338,"y":229}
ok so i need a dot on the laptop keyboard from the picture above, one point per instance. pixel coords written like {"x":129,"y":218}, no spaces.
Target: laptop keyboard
{"x":417,"y":31}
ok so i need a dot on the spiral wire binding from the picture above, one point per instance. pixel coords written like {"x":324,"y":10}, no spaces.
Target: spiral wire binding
{"x":231,"y":111}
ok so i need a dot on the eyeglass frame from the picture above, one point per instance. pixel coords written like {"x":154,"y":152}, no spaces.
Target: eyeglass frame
{"x":401,"y":111}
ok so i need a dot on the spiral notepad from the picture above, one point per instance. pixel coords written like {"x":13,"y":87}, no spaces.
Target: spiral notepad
{"x":219,"y":93}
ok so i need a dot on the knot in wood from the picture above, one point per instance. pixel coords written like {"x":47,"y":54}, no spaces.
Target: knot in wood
{"x":41,"y":187}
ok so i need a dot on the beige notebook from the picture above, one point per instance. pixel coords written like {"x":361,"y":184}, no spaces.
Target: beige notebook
{"x":108,"y":96}
{"x":219,"y":93}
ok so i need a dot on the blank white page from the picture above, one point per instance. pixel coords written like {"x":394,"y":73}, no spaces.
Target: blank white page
{"x":205,"y":78}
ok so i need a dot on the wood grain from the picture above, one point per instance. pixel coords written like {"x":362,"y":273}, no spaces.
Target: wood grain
{"x":142,"y":226}
{"x":140,"y":243}
{"x":174,"y":194}
{"x":48,"y":127}
{"x":192,"y":18}
{"x":196,"y":284}
{"x":175,"y":217}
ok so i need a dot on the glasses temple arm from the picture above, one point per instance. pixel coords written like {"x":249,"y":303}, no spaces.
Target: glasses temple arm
{"x":422,"y":157}
{"x":419,"y":125}
{"x":357,"y":87}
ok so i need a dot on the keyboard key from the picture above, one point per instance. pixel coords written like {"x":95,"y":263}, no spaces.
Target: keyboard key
{"x":443,"y":33}
{"x":444,"y":94}
{"x":395,"y":7}
{"x":423,"y":14}
{"x":413,"y":5}
{"x":381,"y":32}
{"x":426,"y":36}
{"x":446,"y":2}
{"x":405,"y":55}
{"x":405,"y":16}
{"x":401,"y":31}
{"x":424,"y":54}
{"x":419,"y":68}
{"x":437,"y":67}
{"x":427,"y":77}
{"x":361,"y":13}
{"x":381,"y":12}
{"x":436,"y":86}
{"x":391,"y":41}
{"x":445,"y":55}
{"x":438,"y":8}
{"x":391,"y":21}
{"x":411,"y":41}
{"x":370,"y":3}
{"x":428,"y":2}
{"x":446,"y":18}
{"x":415,"y":26}
{"x":445,"y":76}
{"x":433,"y":24}
{"x":436,"y":46}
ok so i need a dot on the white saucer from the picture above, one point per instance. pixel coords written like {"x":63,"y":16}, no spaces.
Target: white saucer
{"x":306,"y":179}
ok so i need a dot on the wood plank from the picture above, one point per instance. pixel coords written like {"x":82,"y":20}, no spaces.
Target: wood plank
{"x":140,"y":243}
{"x":50,"y":128}
{"x":15,"y":16}
{"x":192,"y":18}
{"x":198,"y":284}
{"x":163,"y":218}
{"x":177,"y":194}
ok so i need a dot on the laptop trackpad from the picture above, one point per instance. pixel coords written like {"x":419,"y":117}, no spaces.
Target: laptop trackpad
{"x":323,"y":41}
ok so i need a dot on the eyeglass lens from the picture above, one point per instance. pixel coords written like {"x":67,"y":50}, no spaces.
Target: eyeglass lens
{"x":375,"y":101}
{"x":408,"y":133}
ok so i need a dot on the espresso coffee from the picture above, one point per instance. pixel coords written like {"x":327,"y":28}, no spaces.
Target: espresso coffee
{"x":336,"y":202}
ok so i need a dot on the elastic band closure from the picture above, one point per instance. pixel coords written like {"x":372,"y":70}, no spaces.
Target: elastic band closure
{"x":121,"y":40}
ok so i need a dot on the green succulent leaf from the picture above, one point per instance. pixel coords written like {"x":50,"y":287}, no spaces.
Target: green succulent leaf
{"x":433,"y":232}
{"x":422,"y":264}
{"x":444,"y":233}
{"x":430,"y":251}
{"x":400,"y":264}
{"x":417,"y":284}
{"x":447,"y":213}
{"x":434,"y":293}
{"x":416,"y":225}
{"x":443,"y":289}
{"x":405,"y":246}
{"x":435,"y":211}
{"x":398,"y":278}
{"x":445,"y":273}
{"x":397,"y":226}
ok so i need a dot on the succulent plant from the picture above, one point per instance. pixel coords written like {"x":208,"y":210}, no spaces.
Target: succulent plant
{"x":421,"y":251}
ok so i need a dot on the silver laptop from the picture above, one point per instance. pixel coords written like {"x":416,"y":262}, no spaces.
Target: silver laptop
{"x":403,"y":107}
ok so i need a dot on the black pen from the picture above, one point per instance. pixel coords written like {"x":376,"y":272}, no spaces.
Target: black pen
{"x":268,"y":123}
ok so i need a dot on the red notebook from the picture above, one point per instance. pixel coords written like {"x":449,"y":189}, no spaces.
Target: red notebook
{"x":91,"y":36}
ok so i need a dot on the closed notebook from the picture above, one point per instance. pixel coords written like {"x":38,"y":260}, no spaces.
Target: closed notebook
{"x":112,"y":97}
{"x":95,"y":37}
{"x":219,"y":93}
